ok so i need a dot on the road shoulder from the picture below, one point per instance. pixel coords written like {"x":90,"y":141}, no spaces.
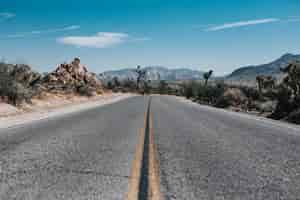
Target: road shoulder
{"x":28,"y":117}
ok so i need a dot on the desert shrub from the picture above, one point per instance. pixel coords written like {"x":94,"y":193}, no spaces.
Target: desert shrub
{"x":288,"y":95}
{"x":163,"y":87}
{"x":231,"y":97}
{"x":14,"y":91}
{"x":294,"y":117}
{"x":285,"y":103}
{"x":116,"y":90}
{"x":189,"y":89}
{"x":109,"y":85}
{"x":271,"y":94}
{"x":128,"y":83}
{"x":85,"y":90}
{"x":125,"y":90}
{"x":210,"y":93}
{"x":223,"y":102}
{"x":250,"y":92}
{"x":203,"y":93}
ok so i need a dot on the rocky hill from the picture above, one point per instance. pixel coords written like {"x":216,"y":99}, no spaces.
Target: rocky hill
{"x":272,"y":68}
{"x":156,"y":73}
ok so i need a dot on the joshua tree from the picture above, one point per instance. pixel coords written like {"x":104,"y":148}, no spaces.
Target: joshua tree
{"x":207,"y":76}
{"x":116,"y":81}
{"x":265,"y":82}
{"x":288,"y":92}
{"x":141,"y":76}
{"x":292,"y":79}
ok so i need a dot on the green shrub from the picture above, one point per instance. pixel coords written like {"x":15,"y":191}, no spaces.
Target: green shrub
{"x":14,"y":91}
{"x":188,"y":90}
{"x":285,"y":103}
{"x":210,"y":93}
{"x":85,"y":90}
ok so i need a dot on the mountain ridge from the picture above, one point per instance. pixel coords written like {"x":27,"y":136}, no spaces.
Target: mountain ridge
{"x":246,"y":73}
{"x":272,"y":68}
{"x":156,"y":73}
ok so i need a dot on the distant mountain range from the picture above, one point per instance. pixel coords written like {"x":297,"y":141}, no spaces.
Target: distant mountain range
{"x":156,"y":73}
{"x":272,"y":68}
{"x":247,"y":73}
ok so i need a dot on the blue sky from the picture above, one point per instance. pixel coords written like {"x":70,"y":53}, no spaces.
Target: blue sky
{"x":112,"y":34}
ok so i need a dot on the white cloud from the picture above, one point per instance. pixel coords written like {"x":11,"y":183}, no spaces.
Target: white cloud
{"x":242,"y":23}
{"x":100,"y":40}
{"x":7,"y":15}
{"x":38,"y":32}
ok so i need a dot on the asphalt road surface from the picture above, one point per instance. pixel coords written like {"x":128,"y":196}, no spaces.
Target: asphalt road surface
{"x":85,"y":155}
{"x":207,"y":153}
{"x":200,"y":153}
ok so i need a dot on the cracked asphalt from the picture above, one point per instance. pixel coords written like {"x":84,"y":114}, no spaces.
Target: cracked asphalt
{"x":202,"y":152}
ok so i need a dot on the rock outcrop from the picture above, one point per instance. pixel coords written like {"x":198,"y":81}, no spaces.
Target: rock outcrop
{"x":72,"y":77}
{"x":19,"y":83}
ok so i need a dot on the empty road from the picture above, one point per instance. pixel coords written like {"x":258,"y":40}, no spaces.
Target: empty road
{"x":163,"y":148}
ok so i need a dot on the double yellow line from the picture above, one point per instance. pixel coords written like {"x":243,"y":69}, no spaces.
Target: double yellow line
{"x":145,"y":149}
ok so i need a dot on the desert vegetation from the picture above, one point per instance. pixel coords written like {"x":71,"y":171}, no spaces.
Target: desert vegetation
{"x":277,"y":101}
{"x":269,"y":97}
{"x":19,"y":83}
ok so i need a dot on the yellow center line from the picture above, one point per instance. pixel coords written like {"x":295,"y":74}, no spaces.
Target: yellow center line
{"x":154,"y":177}
{"x":134,"y":181}
{"x":151,"y":171}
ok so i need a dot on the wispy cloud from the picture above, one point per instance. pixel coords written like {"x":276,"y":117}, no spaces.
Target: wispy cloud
{"x":67,"y":28}
{"x":141,"y":39}
{"x":6,"y":15}
{"x":43,"y":31}
{"x":293,"y":19}
{"x":242,"y":23}
{"x":15,"y":36}
{"x":100,"y":40}
{"x":202,"y":26}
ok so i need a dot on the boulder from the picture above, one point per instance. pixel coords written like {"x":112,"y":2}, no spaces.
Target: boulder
{"x":73,"y":77}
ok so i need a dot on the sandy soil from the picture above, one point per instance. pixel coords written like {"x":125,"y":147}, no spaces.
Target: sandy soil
{"x":53,"y":105}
